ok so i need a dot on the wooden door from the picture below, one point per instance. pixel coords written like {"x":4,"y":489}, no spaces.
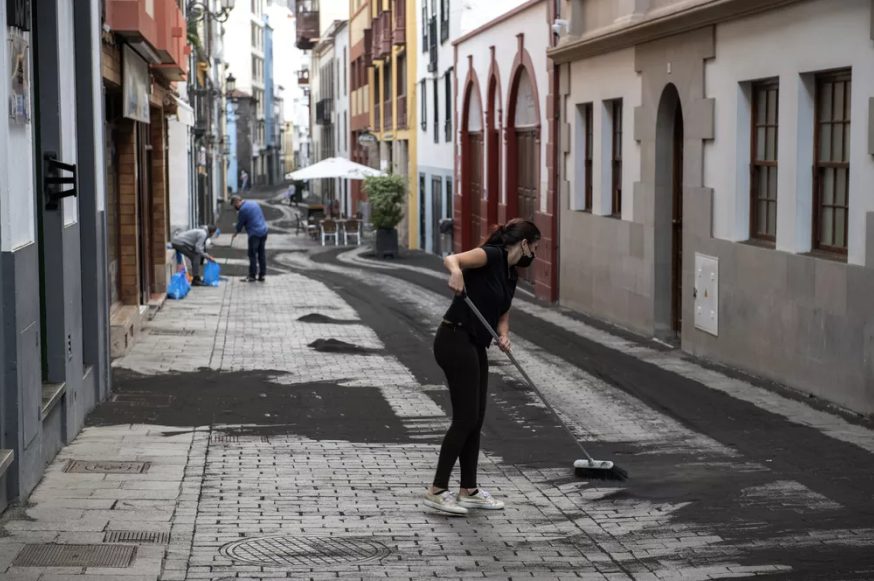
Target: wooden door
{"x":526,"y":184}
{"x":144,"y":211}
{"x":476,"y":187}
{"x":677,"y":227}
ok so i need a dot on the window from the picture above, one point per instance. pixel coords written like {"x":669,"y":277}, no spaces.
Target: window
{"x":763,"y":167}
{"x":831,"y":162}
{"x":447,"y":200}
{"x":444,"y":21}
{"x":423,"y":100}
{"x":425,"y":25}
{"x":583,"y":192}
{"x":437,"y":110}
{"x":448,"y":87}
{"x":401,"y":88}
{"x":616,"y":118}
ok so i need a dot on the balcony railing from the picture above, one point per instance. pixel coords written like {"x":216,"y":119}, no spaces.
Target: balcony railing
{"x":402,"y":112}
{"x":399,"y":33}
{"x":324,"y":111}
{"x":387,"y":115}
{"x":303,"y":77}
{"x":307,"y":24}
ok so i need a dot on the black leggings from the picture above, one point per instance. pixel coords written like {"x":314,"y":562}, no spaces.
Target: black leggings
{"x":467,"y":372}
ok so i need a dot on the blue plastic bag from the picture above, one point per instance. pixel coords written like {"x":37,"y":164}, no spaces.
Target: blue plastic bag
{"x":179,"y":286}
{"x":211,"y":273}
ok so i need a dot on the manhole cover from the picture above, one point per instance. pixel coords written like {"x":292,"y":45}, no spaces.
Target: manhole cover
{"x":305,"y":551}
{"x":52,"y":555}
{"x":106,"y":467}
{"x":171,"y":332}
{"x":139,"y":537}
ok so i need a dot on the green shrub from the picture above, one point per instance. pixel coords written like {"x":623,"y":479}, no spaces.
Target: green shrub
{"x":386,"y":196}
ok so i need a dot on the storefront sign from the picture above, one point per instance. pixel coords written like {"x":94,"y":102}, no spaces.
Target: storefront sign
{"x":18,"y":14}
{"x":19,"y":80}
{"x":137,"y":87}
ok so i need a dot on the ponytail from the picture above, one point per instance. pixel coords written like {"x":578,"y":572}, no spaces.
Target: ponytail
{"x":512,"y":232}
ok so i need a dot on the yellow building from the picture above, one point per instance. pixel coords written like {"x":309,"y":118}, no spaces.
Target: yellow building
{"x":392,"y":97}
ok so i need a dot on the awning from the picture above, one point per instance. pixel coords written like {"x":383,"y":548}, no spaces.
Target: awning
{"x":184,"y":112}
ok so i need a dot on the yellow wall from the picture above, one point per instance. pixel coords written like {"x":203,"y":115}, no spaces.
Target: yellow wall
{"x":409,"y":134}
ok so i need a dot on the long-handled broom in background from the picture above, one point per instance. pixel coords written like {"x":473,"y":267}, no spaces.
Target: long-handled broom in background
{"x":584,"y":468}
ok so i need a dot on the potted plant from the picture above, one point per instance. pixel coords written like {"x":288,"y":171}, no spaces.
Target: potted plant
{"x":386,"y":196}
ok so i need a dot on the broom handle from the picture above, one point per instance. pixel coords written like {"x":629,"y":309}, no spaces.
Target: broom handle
{"x":528,"y":380}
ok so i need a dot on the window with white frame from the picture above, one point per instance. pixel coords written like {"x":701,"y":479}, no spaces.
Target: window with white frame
{"x":582,"y":196}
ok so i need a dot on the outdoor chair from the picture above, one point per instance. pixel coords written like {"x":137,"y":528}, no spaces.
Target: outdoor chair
{"x":329,"y":230}
{"x":352,"y":229}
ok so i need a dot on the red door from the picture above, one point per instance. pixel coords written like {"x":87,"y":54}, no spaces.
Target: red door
{"x":475,"y":187}
{"x":526,"y":183}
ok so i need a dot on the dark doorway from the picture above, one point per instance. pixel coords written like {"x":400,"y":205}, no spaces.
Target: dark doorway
{"x":436,"y":213}
{"x":668,"y":218}
{"x":475,"y":187}
{"x":422,"y":211}
{"x":144,"y":210}
{"x":677,"y":227}
{"x":493,"y":144}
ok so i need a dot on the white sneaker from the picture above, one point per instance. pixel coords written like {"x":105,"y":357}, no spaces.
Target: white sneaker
{"x":445,"y":502}
{"x":482,"y":499}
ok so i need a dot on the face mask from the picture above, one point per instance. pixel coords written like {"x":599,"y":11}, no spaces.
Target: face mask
{"x":525,"y":261}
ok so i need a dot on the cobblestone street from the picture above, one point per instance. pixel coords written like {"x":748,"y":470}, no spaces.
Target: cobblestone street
{"x":264,"y":456}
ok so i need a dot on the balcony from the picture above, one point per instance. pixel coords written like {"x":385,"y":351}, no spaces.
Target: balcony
{"x":399,"y":33}
{"x":303,"y":77}
{"x":382,"y":36}
{"x":172,"y":41}
{"x":324,"y":112}
{"x":368,"y":47}
{"x":138,"y":26}
{"x":386,"y":115}
{"x":307,"y":25}
{"x":402,"y":112}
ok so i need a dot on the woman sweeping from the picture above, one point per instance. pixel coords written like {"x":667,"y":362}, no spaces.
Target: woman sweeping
{"x":488,"y":275}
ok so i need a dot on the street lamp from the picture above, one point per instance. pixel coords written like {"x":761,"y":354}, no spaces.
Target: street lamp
{"x":230,"y":84}
{"x":198,"y":9}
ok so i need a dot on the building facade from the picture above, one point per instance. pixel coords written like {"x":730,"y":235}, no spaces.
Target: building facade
{"x":141,"y":61}
{"x":54,"y":303}
{"x":716,"y":198}
{"x":322,"y":117}
{"x":503,"y":158}
{"x":341,"y":114}
{"x":362,"y":145}
{"x":437,"y":22}
{"x":392,"y":92}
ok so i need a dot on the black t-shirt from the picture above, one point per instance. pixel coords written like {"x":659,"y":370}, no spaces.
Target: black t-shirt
{"x":491,"y":288}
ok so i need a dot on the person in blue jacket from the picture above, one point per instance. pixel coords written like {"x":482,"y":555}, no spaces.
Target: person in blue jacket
{"x":250,"y":217}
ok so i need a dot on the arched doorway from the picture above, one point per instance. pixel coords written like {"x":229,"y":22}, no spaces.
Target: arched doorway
{"x":472,"y":166}
{"x":493,"y":149}
{"x":669,"y":215}
{"x":523,"y":152}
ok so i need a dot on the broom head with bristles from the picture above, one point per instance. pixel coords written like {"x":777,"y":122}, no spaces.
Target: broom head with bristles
{"x":599,"y":470}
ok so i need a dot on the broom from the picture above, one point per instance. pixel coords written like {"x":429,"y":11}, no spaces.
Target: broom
{"x":584,"y":468}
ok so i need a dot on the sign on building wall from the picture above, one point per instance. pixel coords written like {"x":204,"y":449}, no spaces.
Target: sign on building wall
{"x":19,"y":79}
{"x":136,"y":87}
{"x":18,"y":14}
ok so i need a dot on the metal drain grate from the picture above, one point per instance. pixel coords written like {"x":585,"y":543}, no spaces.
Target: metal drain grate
{"x":224,"y":438}
{"x":139,"y":537}
{"x":305,"y":551}
{"x":106,"y":467}
{"x":171,"y":332}
{"x":52,"y":555}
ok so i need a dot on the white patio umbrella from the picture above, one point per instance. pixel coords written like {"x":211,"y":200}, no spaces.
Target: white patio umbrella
{"x":334,"y":167}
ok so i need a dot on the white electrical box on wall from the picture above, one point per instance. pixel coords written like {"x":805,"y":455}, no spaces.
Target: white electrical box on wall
{"x":707,"y":293}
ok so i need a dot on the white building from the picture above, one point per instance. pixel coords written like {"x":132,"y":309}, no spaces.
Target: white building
{"x":341,"y":111}
{"x":715,"y":181}
{"x":439,"y":23}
